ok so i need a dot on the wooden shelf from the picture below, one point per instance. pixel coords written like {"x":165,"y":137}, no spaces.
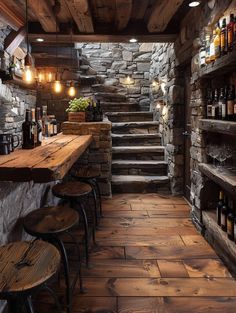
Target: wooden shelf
{"x":223,"y":65}
{"x":49,"y":162}
{"x":226,"y":180}
{"x":225,"y":247}
{"x":218,"y":126}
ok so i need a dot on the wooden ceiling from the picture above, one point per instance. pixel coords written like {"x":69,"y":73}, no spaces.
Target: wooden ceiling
{"x":97,"y":20}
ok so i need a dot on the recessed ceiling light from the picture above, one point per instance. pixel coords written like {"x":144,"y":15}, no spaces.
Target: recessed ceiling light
{"x":39,"y":39}
{"x":133,"y":40}
{"x":194,"y":4}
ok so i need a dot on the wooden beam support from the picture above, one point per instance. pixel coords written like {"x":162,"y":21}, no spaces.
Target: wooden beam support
{"x":13,"y":40}
{"x":162,"y":13}
{"x":9,"y":17}
{"x":80,"y":11}
{"x":50,"y":38}
{"x":44,"y":12}
{"x":139,"y":9}
{"x":123,"y":13}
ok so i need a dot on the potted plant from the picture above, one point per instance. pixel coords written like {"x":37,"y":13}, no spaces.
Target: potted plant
{"x":77,"y":108}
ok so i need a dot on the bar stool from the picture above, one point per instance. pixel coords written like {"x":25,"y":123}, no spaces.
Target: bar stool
{"x":90,"y":176}
{"x":76,"y":193}
{"x":49,"y":224}
{"x":25,"y":267}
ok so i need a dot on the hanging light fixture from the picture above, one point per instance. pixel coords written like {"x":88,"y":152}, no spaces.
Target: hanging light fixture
{"x":71,"y":90}
{"x":28,"y":74}
{"x":57,"y":86}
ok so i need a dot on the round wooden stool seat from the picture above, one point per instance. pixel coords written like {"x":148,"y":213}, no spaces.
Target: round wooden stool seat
{"x":86,"y":173}
{"x":26,"y":265}
{"x":50,"y":220}
{"x":72,"y":189}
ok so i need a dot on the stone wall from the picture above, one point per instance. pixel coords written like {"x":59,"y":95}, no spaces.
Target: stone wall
{"x":167,"y":103}
{"x":98,"y":155}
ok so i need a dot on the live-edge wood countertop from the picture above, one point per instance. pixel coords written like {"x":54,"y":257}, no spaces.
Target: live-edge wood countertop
{"x":45,"y":163}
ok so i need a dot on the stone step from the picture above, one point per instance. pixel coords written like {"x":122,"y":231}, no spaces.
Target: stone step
{"x":135,"y":127}
{"x":110,"y":96}
{"x":138,"y":153}
{"x":118,"y":106}
{"x":139,"y":167}
{"x":139,"y":184}
{"x":130,"y":117}
{"x":135,"y":139}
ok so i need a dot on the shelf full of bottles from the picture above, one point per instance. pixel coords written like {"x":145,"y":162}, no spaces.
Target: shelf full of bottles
{"x":217,"y":54}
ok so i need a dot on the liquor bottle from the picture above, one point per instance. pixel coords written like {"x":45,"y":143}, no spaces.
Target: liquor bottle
{"x":45,"y":122}
{"x":222,"y":105}
{"x":28,"y":132}
{"x":34,"y":127}
{"x":39,"y":126}
{"x":212,"y":47}
{"x":209,"y":105}
{"x":216,"y":105}
{"x":53,"y":125}
{"x":217,"y":41}
{"x":208,"y":43}
{"x":230,"y":103}
{"x":219,"y":206}
{"x":230,"y":33}
{"x":223,"y":38}
{"x":230,"y":221}
{"x":223,"y":215}
{"x":202,"y":55}
{"x":234,"y":39}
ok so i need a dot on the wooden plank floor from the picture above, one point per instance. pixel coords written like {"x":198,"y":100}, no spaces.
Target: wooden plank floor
{"x":149,"y":258}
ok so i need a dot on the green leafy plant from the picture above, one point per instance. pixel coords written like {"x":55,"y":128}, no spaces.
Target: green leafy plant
{"x":78,"y":104}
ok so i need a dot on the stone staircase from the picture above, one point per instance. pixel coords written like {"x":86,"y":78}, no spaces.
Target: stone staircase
{"x":138,"y":163}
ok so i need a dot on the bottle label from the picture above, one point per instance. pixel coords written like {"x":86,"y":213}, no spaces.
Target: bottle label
{"x":213,"y":111}
{"x":230,"y":107}
{"x":229,"y":227}
{"x":223,"y":219}
{"x":40,"y":137}
{"x":230,"y":37}
{"x":55,"y":129}
{"x":223,"y":109}
{"x":209,"y":111}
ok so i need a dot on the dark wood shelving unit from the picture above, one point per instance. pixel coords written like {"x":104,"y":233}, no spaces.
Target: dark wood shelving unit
{"x":221,"y":66}
{"x":218,"y":126}
{"x":227,"y":180}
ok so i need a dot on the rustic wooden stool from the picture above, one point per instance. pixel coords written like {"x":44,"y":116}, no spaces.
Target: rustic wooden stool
{"x":90,"y":176}
{"x":49,"y":223}
{"x":25,"y":267}
{"x":76,"y":193}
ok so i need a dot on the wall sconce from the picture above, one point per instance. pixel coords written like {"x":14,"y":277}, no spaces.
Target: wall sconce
{"x":128,"y":80}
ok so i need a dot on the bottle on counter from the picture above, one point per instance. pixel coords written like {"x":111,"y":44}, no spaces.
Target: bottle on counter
{"x":230,"y":33}
{"x":223,"y":215}
{"x":53,"y":125}
{"x":34,"y":127}
{"x":28,"y":132}
{"x":223,"y":38}
{"x":39,"y":126}
{"x":230,"y":220}
{"x":45,"y":122}
{"x":219,"y":207}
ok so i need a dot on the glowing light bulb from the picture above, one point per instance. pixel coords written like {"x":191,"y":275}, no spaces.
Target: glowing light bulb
{"x":71,"y":91}
{"x":194,"y":4}
{"x":132,"y":40}
{"x":41,"y":77}
{"x":28,"y":74}
{"x":57,"y":86}
{"x":128,"y":79}
{"x":49,"y":77}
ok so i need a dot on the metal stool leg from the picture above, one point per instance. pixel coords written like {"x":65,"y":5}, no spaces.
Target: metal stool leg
{"x":99,"y":196}
{"x":66,"y":270}
{"x":95,"y":205}
{"x":29,"y":305}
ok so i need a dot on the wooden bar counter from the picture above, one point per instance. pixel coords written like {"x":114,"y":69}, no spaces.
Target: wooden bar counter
{"x":46,"y":163}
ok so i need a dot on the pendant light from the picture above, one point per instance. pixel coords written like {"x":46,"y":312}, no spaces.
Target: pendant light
{"x":71,"y":90}
{"x":28,"y":74}
{"x":57,"y":86}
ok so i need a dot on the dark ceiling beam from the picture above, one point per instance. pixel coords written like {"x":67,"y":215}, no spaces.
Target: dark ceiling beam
{"x":80,"y":11}
{"x":13,"y":40}
{"x":45,"y":14}
{"x":162,"y":13}
{"x":11,"y":18}
{"x":51,"y":38}
{"x":123,"y":13}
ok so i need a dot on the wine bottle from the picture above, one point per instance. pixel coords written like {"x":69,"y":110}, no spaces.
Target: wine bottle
{"x":222,"y":105}
{"x":219,"y":207}
{"x":209,"y":104}
{"x":223,"y":215}
{"x":217,"y":41}
{"x":223,"y":38}
{"x":216,"y":104}
{"x":28,"y":140}
{"x":230,"y":103}
{"x":39,"y":126}
{"x":45,"y":122}
{"x":230,"y":221}
{"x":230,"y":33}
